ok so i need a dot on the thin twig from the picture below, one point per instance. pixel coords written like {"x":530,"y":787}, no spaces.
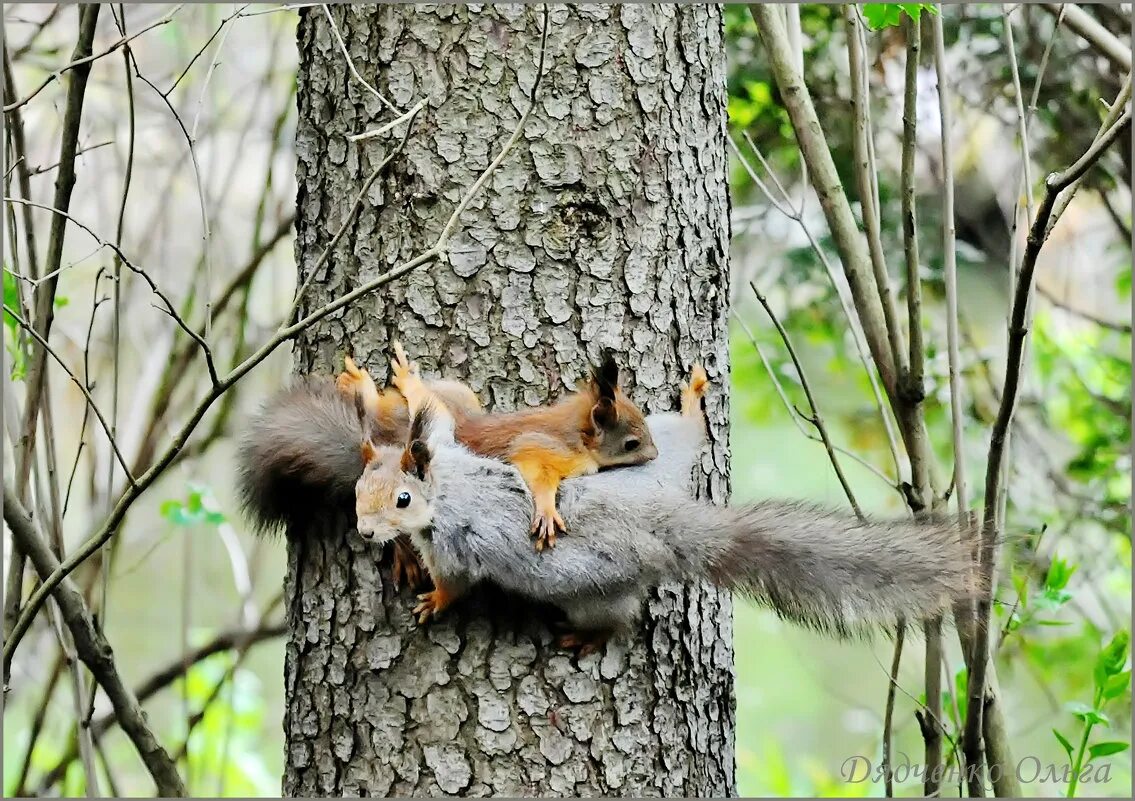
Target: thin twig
{"x":1100,"y":38}
{"x":74,"y":378}
{"x":815,"y":418}
{"x":1118,"y":107}
{"x":238,"y":639}
{"x":109,"y":526}
{"x":1083,"y":314}
{"x":865,"y":170}
{"x":169,"y":307}
{"x":798,"y":418}
{"x":86,"y":60}
{"x":797,"y":214}
{"x":356,"y":204}
{"x":45,"y":293}
{"x":889,"y":711}
{"x":351,"y":63}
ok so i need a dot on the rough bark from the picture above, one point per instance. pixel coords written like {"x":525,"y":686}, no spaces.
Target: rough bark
{"x":607,"y":226}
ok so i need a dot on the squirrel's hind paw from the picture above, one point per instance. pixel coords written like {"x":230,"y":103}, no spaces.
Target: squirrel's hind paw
{"x":351,"y":379}
{"x":694,"y":390}
{"x":401,"y":368}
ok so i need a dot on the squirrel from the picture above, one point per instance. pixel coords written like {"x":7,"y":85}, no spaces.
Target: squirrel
{"x":304,"y":480}
{"x":595,"y":428}
{"x":639,"y":526}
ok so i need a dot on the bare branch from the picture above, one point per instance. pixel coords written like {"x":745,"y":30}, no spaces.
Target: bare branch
{"x":797,"y":214}
{"x":82,"y":387}
{"x":351,"y":63}
{"x":45,"y":294}
{"x":825,"y":180}
{"x":977,"y":690}
{"x":1099,"y":37}
{"x":85,"y":61}
{"x":93,"y":649}
{"x":798,"y":418}
{"x":169,"y":307}
{"x":1118,"y":107}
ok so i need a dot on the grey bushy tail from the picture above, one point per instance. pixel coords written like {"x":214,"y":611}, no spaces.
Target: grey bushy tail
{"x":823,"y":569}
{"x":300,"y":456}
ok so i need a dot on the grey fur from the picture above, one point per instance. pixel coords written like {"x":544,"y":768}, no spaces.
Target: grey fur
{"x":633,"y":528}
{"x":629,"y":529}
{"x":300,"y":457}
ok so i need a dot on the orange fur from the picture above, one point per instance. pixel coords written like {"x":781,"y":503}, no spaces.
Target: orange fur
{"x":434,"y":602}
{"x":594,"y":428}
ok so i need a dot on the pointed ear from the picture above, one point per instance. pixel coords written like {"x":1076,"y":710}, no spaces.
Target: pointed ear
{"x":368,"y":451}
{"x":416,"y":459}
{"x":605,"y":377}
{"x":604,"y":414}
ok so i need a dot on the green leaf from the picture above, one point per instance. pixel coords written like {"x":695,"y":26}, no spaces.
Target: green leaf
{"x":882,"y":15}
{"x":1114,"y":655}
{"x":61,"y":301}
{"x":1067,"y":746}
{"x":1117,"y":685}
{"x":1107,"y":749}
{"x":1058,"y":574}
{"x":1088,"y":714}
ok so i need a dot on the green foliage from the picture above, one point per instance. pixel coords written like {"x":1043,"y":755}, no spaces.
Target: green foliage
{"x":1111,"y":682}
{"x":223,"y":754}
{"x":200,"y":506}
{"x":886,"y":15}
{"x":12,"y":334}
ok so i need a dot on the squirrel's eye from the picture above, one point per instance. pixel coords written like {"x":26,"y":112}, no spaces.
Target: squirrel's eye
{"x":403,"y":500}
{"x":631,"y":444}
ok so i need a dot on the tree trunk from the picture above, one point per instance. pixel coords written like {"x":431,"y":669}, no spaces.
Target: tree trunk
{"x":607,"y":225}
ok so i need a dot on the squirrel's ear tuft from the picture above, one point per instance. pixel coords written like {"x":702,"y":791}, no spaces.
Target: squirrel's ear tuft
{"x":422,"y":421}
{"x":605,"y":377}
{"x":416,"y":459}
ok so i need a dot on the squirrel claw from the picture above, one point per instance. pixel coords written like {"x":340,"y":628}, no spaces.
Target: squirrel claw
{"x":545,"y":526}
{"x":693,"y":390}
{"x":433,"y":603}
{"x":583,"y":643}
{"x":405,"y":569}
{"x":426,"y":609}
{"x":401,"y":368}
{"x":348,"y":381}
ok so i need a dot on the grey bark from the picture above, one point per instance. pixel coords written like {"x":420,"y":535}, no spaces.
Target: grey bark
{"x":606,"y":226}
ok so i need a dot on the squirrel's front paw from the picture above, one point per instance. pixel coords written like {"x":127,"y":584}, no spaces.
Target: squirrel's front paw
{"x":433,"y":603}
{"x":583,"y":642}
{"x":545,"y":525}
{"x":406,"y":569}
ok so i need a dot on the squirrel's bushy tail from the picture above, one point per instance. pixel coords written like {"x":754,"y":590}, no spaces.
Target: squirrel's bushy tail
{"x":300,"y":456}
{"x":828,"y":570}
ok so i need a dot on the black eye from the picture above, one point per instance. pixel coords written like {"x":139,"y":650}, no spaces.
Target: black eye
{"x":631,"y":444}
{"x":403,"y":500}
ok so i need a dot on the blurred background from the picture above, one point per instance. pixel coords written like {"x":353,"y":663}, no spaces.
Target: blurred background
{"x":199,"y":125}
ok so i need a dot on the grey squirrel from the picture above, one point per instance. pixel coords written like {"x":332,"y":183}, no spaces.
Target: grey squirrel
{"x":632,"y":528}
